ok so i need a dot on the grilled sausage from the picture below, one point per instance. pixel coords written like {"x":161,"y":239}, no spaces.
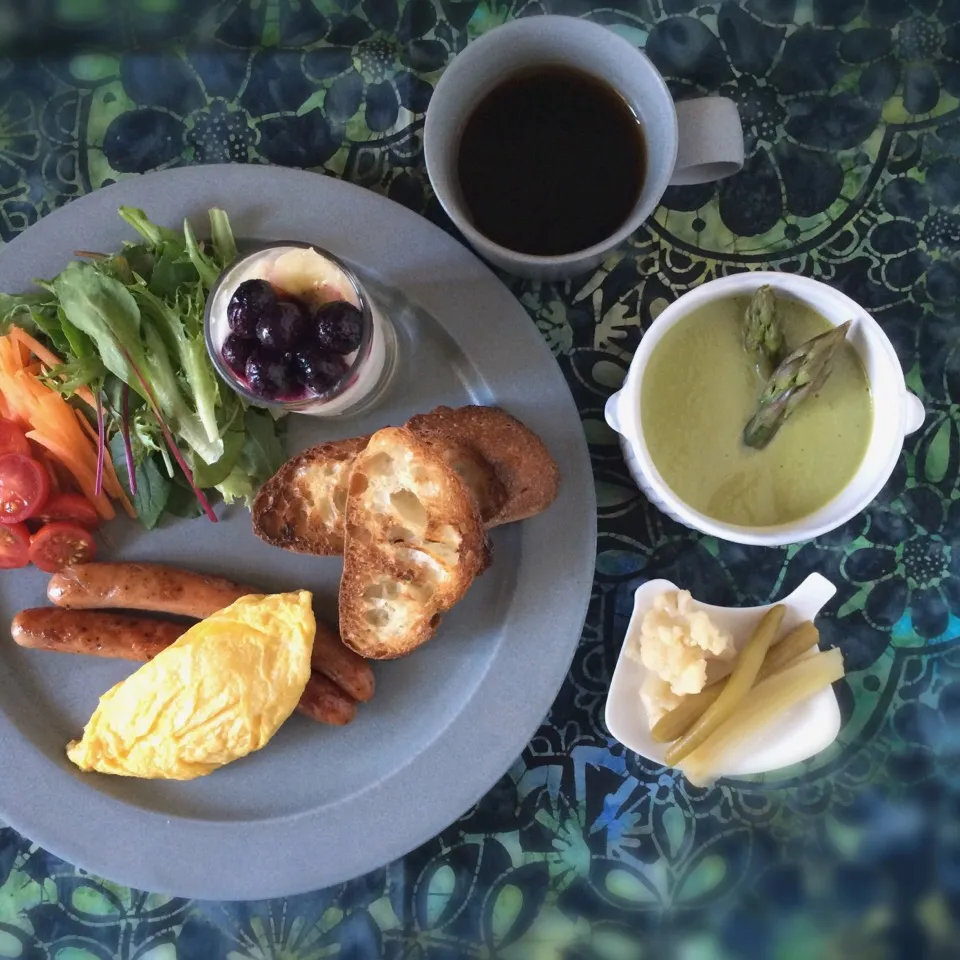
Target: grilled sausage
{"x":348,"y":670}
{"x":93,"y":632}
{"x":142,"y":638}
{"x":325,"y":702}
{"x":143,"y":586}
{"x":160,"y":589}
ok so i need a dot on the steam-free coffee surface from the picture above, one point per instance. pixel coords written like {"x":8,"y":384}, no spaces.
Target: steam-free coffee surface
{"x":551,"y":161}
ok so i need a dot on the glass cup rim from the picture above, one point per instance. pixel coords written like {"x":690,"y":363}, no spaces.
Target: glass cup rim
{"x":363,"y":351}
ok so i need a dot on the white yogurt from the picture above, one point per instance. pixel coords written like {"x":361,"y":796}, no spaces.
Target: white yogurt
{"x":307,"y":274}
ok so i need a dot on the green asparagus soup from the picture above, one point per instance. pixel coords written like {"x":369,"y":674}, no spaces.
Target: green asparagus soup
{"x":700,"y":389}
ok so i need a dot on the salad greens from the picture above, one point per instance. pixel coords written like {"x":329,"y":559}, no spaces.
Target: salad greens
{"x":130,"y":326}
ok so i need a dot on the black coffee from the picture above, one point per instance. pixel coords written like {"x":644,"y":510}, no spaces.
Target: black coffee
{"x":551,"y":161}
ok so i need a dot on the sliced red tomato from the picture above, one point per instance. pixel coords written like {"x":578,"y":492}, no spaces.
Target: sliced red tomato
{"x":13,"y":439}
{"x":57,"y":545}
{"x":14,"y":546}
{"x":73,"y":507}
{"x":24,"y":487}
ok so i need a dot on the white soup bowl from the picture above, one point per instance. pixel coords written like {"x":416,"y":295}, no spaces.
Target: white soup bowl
{"x":896,"y":411}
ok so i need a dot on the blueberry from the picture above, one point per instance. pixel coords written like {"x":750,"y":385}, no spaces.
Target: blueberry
{"x":270,"y":374}
{"x":337,"y":326}
{"x":251,"y":301}
{"x":235,"y":352}
{"x":284,"y":329}
{"x":319,"y":370}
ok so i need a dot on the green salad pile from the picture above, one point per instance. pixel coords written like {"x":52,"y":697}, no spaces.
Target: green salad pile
{"x":129,"y":326}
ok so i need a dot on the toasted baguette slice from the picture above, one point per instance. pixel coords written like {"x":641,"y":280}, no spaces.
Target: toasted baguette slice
{"x":518,"y":456}
{"x":414,"y":543}
{"x":301,"y":507}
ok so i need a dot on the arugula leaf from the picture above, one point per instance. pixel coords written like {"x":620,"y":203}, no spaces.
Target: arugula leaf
{"x":107,"y":313}
{"x":183,"y":327}
{"x":22,"y":302}
{"x":173,"y":271}
{"x":78,"y":343}
{"x":45,"y":320}
{"x":113,"y":391}
{"x":153,"y":487}
{"x":206,"y":267}
{"x":136,"y":260}
{"x":262,"y":452}
{"x":153,"y":234}
{"x":35,"y":313}
{"x":166,"y":391}
{"x":140,"y":259}
{"x":209,"y":475}
{"x":67,"y":378}
{"x":261,"y":457}
{"x":183,"y":501}
{"x":224,"y":246}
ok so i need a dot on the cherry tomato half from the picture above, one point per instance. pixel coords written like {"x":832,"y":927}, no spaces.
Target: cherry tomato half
{"x":51,"y":473}
{"x":72,"y":507}
{"x":57,"y":545}
{"x":14,"y":546}
{"x":13,"y":439}
{"x":24,"y":487}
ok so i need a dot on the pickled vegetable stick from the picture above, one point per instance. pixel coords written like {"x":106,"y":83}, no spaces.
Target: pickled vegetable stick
{"x":673,"y":725}
{"x":679,"y":720}
{"x":767,"y":701}
{"x":797,"y":642}
{"x":737,"y":686}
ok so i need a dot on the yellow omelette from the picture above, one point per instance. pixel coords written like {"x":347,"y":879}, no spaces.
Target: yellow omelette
{"x":221,"y":691}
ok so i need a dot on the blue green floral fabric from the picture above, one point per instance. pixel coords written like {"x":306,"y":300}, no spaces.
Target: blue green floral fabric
{"x":851,"y":112}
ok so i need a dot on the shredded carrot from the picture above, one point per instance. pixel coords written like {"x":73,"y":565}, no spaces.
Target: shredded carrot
{"x":52,"y":423}
{"x":49,"y":358}
{"x":84,"y":475}
{"x":23,"y":352}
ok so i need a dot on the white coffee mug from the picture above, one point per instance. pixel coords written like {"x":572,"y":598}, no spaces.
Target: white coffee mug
{"x":693,"y":141}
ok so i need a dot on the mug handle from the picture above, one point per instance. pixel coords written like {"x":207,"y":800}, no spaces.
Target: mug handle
{"x":710,"y":141}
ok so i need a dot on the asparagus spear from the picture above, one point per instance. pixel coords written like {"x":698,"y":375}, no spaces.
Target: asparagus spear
{"x":762,"y":331}
{"x":799,"y":376}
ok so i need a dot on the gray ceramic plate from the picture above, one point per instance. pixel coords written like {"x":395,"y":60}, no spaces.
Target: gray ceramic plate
{"x":319,"y":805}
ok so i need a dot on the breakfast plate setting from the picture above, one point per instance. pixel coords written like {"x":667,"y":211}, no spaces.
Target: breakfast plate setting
{"x":507,"y":639}
{"x":587,"y":552}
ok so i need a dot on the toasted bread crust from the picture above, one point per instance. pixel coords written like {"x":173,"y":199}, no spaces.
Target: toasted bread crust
{"x":300,"y":508}
{"x":481,"y":480}
{"x":414,"y":544}
{"x":518,"y":456}
{"x":507,"y":468}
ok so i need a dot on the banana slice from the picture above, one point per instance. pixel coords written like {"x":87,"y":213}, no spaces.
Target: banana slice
{"x":304,"y":273}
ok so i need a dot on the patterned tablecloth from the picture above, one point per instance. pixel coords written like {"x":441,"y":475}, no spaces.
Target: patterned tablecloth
{"x":852,"y":121}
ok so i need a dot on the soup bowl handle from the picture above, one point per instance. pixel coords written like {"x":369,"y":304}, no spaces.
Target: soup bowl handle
{"x":914,"y":414}
{"x":611,"y":413}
